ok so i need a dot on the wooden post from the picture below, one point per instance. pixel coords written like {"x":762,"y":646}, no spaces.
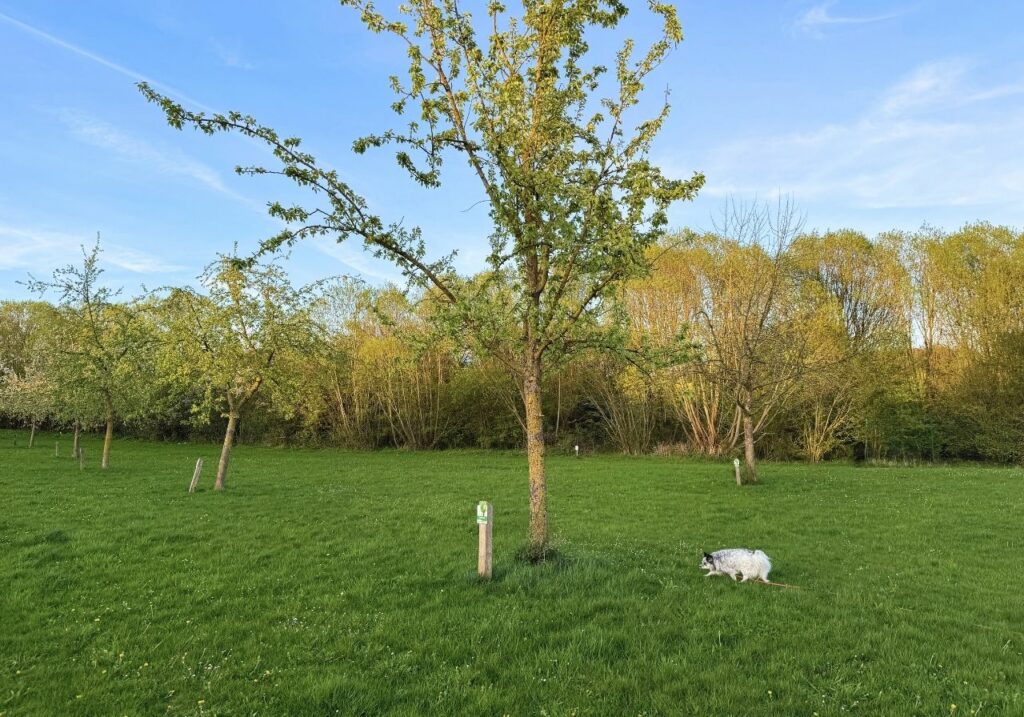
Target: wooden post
{"x":485,"y":520}
{"x":81,"y":458}
{"x":195,"y":476}
{"x":577,"y":447}
{"x":56,"y":449}
{"x":736,"y":465}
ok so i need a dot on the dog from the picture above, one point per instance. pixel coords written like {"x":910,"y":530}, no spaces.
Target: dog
{"x":737,"y":561}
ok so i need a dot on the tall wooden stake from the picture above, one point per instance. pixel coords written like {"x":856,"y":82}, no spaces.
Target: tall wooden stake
{"x":736,"y":465}
{"x":56,"y":449}
{"x":485,"y":521}
{"x":195,"y":476}
{"x":81,"y":458}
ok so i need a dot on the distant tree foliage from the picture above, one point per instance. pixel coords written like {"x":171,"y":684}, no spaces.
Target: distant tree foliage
{"x":917,"y":341}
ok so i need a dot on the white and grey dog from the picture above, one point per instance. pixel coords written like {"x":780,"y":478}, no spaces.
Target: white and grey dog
{"x":737,"y":561}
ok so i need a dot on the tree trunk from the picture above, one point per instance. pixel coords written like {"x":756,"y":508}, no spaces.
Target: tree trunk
{"x":32,"y":433}
{"x":535,"y":459}
{"x":108,"y":439}
{"x":749,"y":460}
{"x":225,"y":451}
{"x":750,"y":465}
{"x":75,"y":447}
{"x":745,"y":405}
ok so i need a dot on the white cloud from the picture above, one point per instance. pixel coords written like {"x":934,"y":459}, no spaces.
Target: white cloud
{"x":932,"y":139}
{"x":231,"y":56}
{"x":98,"y":133}
{"x":40,"y":251}
{"x":819,"y":17}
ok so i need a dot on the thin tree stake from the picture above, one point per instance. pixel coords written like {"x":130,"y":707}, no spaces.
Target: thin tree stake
{"x":195,"y":476}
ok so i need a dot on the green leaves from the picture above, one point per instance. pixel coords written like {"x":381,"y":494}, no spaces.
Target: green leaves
{"x":239,"y":336}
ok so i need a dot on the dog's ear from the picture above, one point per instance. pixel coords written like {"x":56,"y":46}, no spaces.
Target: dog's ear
{"x":707,"y":555}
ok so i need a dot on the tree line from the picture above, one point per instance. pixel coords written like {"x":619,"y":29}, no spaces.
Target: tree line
{"x":788,"y":345}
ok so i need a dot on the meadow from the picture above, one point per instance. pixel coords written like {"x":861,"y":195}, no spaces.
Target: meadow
{"x":331,"y":582}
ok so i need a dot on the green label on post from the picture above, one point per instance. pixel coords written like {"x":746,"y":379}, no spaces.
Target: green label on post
{"x":481,"y":512}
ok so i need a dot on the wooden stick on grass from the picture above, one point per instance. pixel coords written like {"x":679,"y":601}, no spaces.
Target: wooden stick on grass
{"x":779,"y":585}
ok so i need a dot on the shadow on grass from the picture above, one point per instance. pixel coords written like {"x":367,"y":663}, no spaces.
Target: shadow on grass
{"x":526,"y":568}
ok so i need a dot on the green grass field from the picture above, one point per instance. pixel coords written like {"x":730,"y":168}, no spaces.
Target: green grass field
{"x":329,"y":582}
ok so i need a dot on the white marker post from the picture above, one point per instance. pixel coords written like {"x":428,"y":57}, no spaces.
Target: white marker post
{"x":485,"y":520}
{"x":577,"y":447}
{"x":736,"y":465}
{"x":195,"y":476}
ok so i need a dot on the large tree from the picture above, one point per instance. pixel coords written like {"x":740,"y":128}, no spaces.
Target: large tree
{"x":751,"y":318}
{"x":574,"y":199}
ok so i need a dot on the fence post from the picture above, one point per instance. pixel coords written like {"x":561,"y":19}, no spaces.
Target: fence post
{"x":485,"y":521}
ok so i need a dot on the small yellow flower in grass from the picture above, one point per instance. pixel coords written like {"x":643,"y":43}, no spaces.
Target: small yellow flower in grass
{"x":202,"y":702}
{"x":96,"y":620}
{"x":952,"y":708}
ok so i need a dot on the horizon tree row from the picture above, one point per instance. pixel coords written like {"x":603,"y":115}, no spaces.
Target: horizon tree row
{"x":829,"y":345}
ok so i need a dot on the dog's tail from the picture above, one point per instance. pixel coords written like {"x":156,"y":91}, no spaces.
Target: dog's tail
{"x":765,"y":562}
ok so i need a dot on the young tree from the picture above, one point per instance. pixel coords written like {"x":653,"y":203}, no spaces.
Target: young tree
{"x":100,"y":344}
{"x":574,"y":199}
{"x":236,"y":338}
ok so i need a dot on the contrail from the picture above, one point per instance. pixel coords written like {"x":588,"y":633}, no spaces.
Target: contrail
{"x":120,"y":69}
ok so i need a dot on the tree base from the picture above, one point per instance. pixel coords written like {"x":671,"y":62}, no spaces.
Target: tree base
{"x":539,"y":554}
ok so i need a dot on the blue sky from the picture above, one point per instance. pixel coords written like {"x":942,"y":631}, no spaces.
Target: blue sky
{"x":873,"y":115}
